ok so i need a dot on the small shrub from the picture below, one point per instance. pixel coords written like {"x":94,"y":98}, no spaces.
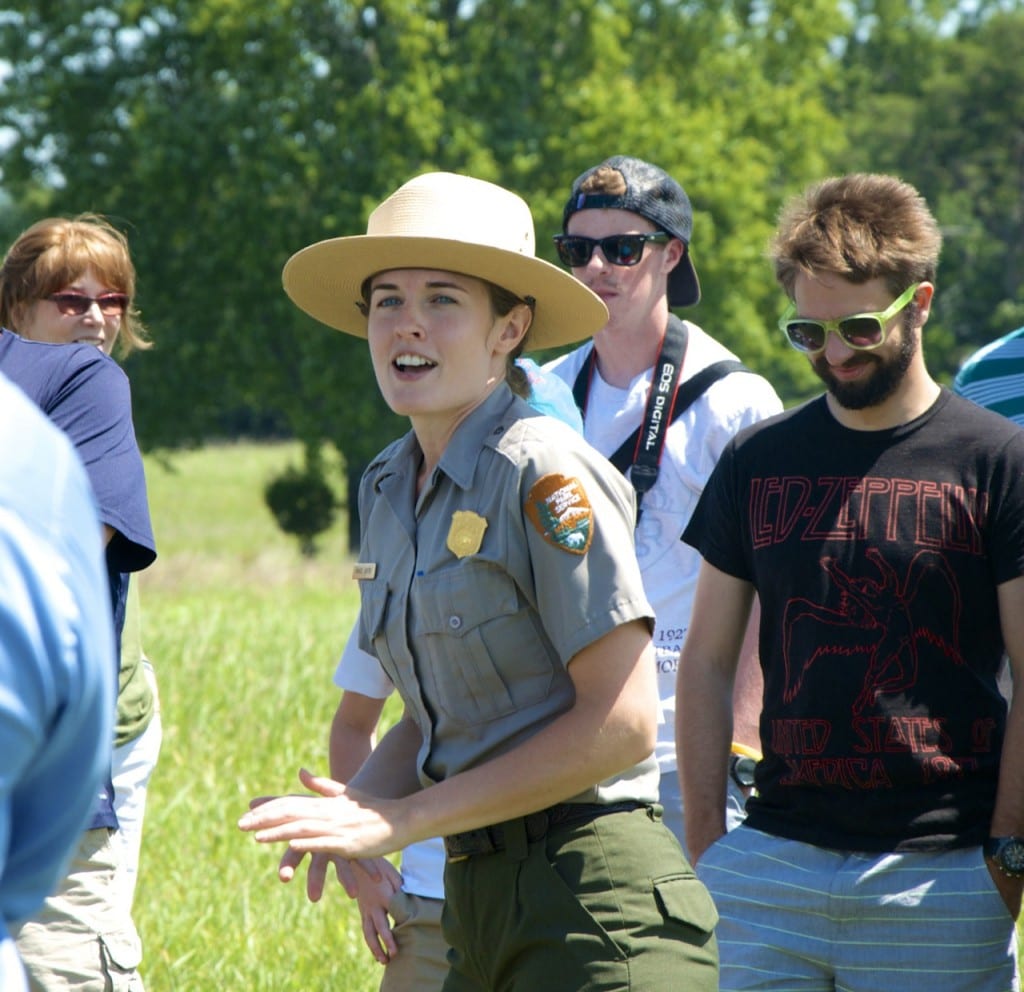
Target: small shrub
{"x":303,"y":504}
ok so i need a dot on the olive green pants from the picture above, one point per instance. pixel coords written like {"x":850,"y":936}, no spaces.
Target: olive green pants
{"x":607,"y":905}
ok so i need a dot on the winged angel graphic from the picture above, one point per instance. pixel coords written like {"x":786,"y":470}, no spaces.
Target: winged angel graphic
{"x":876,"y":618}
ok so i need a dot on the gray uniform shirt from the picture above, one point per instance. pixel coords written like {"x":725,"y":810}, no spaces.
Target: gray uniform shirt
{"x":517,"y":554}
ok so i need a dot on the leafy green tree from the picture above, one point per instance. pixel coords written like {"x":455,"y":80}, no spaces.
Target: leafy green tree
{"x":224,"y":135}
{"x":690,"y":86}
{"x":302,"y":503}
{"x":939,"y":100}
{"x":222,"y":138}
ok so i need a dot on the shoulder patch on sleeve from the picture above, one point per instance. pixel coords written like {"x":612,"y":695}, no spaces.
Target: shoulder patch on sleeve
{"x":558,"y":507}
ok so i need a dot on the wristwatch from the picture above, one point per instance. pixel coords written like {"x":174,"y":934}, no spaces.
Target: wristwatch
{"x":741,"y":770}
{"x":1007,"y":853}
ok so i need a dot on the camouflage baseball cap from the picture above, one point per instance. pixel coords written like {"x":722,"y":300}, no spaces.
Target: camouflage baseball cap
{"x":654,"y":194}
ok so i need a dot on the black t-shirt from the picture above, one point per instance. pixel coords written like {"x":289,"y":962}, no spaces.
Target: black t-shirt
{"x":876,"y":556}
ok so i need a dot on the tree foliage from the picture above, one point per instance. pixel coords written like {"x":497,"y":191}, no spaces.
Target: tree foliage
{"x":302,"y":503}
{"x":946,"y":112}
{"x":224,"y":135}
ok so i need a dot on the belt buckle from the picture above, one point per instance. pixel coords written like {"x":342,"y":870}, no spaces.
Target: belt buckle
{"x":472,"y":842}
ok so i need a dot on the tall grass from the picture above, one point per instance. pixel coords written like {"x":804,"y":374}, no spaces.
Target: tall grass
{"x":244,"y":634}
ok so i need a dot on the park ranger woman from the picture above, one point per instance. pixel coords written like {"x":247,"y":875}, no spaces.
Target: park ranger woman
{"x":501,"y":595}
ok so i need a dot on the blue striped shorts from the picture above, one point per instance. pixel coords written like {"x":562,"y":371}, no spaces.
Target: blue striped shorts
{"x":799,"y":918}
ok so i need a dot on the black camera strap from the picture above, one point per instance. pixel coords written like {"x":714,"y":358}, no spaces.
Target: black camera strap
{"x":640,"y":454}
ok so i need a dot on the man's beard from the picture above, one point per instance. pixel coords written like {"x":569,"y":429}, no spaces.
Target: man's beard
{"x":878,"y":386}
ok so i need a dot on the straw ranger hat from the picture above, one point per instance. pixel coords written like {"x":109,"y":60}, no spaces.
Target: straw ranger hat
{"x":440,"y":220}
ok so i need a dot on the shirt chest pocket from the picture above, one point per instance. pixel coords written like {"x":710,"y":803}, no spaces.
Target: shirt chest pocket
{"x":373,"y":638}
{"x":485,"y":654}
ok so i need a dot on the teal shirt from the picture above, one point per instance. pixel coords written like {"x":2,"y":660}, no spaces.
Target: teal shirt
{"x":993,"y":376}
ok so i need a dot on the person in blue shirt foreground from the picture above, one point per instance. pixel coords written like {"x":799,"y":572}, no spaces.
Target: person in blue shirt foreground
{"x":57,"y":682}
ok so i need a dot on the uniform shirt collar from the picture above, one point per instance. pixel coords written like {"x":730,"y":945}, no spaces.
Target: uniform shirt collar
{"x":480,"y":429}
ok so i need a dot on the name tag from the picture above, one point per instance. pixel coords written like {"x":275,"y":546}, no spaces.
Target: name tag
{"x":364,"y":570}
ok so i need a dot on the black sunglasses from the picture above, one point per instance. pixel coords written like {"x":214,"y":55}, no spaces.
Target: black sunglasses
{"x":620,"y":249}
{"x":76,"y":304}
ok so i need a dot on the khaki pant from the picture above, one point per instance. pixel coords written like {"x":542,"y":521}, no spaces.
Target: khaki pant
{"x":83,"y":939}
{"x":421,"y":962}
{"x":607,"y":905}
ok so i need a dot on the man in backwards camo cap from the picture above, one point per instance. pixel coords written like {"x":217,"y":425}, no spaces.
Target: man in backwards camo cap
{"x":626,"y":235}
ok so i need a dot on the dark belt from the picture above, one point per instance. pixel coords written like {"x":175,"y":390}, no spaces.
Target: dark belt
{"x":490,"y":840}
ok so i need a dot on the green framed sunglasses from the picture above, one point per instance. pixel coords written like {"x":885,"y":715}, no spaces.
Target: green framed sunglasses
{"x":860,"y":331}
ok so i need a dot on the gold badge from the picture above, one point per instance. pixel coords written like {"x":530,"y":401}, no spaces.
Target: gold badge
{"x":466,"y":533}
{"x":363,"y":570}
{"x":559,"y":509}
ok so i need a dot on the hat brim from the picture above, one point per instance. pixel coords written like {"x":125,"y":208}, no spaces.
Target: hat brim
{"x":325,"y":280}
{"x":683,"y":286}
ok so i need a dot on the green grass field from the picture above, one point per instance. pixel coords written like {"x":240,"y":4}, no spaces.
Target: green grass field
{"x":244,"y":634}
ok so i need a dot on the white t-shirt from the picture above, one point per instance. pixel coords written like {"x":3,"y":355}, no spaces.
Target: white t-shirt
{"x":423,"y":862}
{"x":693,"y":444}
